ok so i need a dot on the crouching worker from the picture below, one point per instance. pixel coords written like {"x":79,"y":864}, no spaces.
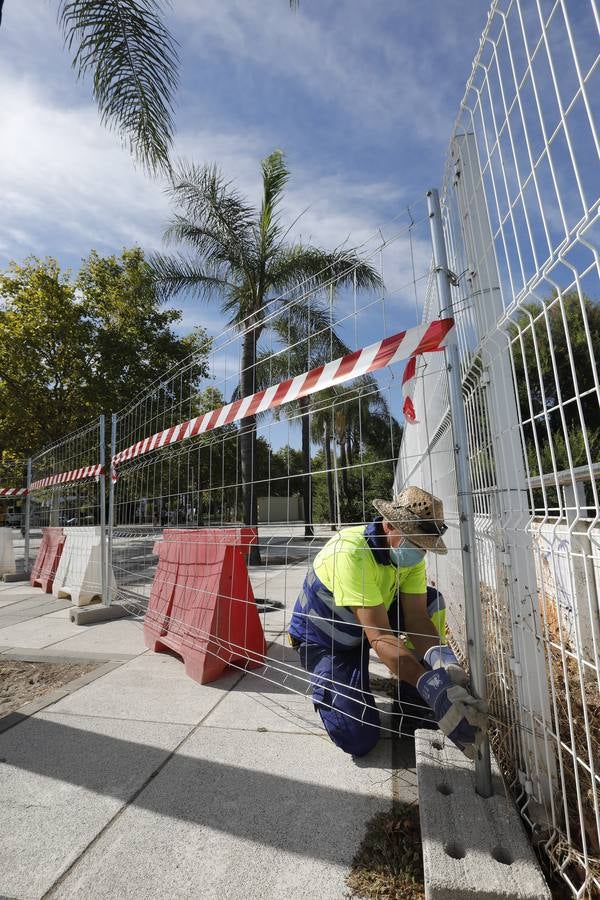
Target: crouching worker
{"x":367,"y":588}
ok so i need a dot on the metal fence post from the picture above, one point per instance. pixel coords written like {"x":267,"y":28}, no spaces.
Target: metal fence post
{"x":473,"y":619}
{"x":515,"y":553}
{"x":102,"y":498}
{"x":27,"y":519}
{"x":111,"y":509}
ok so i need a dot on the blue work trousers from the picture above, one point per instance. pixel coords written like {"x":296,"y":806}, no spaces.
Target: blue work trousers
{"x":342,"y":695}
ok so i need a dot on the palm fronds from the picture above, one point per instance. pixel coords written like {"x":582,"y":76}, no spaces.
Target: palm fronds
{"x":299,"y":263}
{"x":133,"y":61}
{"x":214,"y":222}
{"x":177,"y":273}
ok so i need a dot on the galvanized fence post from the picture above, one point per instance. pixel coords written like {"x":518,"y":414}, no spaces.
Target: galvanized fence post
{"x":473,"y":618}
{"x":102,"y":499}
{"x":111,"y":509}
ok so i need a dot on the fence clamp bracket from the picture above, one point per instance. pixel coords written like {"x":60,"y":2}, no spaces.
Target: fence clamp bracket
{"x":450,"y":275}
{"x":515,"y":667}
{"x":526,"y":782}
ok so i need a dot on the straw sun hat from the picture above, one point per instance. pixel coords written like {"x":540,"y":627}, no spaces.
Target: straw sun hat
{"x":418,"y":516}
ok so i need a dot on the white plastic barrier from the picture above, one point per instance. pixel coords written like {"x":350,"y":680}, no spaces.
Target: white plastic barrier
{"x":79,"y":573}
{"x":7,"y":552}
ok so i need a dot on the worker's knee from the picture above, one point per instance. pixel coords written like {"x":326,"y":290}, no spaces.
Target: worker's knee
{"x":356,"y":738}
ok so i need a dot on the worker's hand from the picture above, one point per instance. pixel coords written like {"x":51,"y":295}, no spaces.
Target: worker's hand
{"x":459,"y":715}
{"x":442,"y":656}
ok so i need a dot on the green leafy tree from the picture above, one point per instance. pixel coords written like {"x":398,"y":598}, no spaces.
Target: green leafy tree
{"x":242,"y":257}
{"x":71,"y":349}
{"x":360,"y":440}
{"x":548,"y":381}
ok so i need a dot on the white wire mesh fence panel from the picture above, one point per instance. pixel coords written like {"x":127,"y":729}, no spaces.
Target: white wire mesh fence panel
{"x":13,"y":502}
{"x":67,"y":506}
{"x":321,"y":427}
{"x":522,"y":223}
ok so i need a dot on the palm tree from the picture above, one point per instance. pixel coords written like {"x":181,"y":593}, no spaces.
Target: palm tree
{"x":132,"y":58}
{"x":242,"y":256}
{"x":352,"y":419}
{"x":126,"y":48}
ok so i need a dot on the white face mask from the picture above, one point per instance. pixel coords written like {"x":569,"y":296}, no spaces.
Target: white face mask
{"x":406,"y":556}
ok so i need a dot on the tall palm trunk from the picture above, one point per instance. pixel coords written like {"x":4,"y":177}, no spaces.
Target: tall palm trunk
{"x":344,"y":461}
{"x":304,"y":405}
{"x":248,"y":440}
{"x":328,"y":461}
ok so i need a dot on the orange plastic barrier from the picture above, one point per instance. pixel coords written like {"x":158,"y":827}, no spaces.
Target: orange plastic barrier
{"x":202,"y":604}
{"x":47,"y":559}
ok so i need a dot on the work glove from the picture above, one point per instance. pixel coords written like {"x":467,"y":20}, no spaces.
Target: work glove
{"x":460,"y":715}
{"x":441,"y":656}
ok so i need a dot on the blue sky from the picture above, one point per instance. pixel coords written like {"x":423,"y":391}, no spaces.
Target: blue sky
{"x":360,"y":96}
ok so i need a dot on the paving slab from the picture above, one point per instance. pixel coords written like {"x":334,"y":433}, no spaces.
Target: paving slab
{"x":153,"y":687}
{"x":276,"y":697}
{"x":37,"y":633}
{"x":119,"y":636}
{"x":9,"y":600}
{"x":18,"y":588}
{"x":278,"y":583}
{"x":271,"y":698}
{"x":26,"y":602}
{"x":19,"y":612}
{"x":62,"y":780}
{"x":239,"y":816}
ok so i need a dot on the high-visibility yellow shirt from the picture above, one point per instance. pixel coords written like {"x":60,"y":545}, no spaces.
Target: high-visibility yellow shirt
{"x":347,"y":567}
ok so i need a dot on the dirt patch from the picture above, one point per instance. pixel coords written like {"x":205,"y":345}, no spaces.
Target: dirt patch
{"x":21,"y":682}
{"x":389,"y":863}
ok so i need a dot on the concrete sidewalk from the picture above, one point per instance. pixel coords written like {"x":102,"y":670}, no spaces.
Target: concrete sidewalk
{"x":142,"y":783}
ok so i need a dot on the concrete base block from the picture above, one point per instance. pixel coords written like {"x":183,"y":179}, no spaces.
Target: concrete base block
{"x":15,"y":576}
{"x":471,"y":847}
{"x":86,"y":615}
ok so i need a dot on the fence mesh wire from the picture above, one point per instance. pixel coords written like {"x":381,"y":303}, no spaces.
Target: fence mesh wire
{"x":67,"y":494}
{"x":521,"y":210}
{"x":317,"y":462}
{"x":13,"y":502}
{"x":521,"y":218}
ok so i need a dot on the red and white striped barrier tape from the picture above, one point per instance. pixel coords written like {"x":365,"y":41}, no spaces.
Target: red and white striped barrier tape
{"x":422,"y":339}
{"x":409,"y":380}
{"x":13,"y":492}
{"x":63,"y":477}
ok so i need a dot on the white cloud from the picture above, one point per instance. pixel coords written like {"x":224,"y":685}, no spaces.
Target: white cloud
{"x":68,"y":185}
{"x":377,"y":79}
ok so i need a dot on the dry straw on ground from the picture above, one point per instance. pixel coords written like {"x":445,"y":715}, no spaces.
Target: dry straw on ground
{"x":389,"y":863}
{"x":577,"y":824}
{"x":575,"y":686}
{"x":22,"y":682}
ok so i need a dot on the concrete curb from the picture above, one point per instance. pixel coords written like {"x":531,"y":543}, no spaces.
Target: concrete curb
{"x":15,"y":576}
{"x":471,"y":847}
{"x":87,"y":615}
{"x":50,"y":655}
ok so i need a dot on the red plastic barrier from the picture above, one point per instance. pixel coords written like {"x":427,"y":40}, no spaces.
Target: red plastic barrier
{"x":48,"y":556}
{"x":241,"y":537}
{"x":202,"y":604}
